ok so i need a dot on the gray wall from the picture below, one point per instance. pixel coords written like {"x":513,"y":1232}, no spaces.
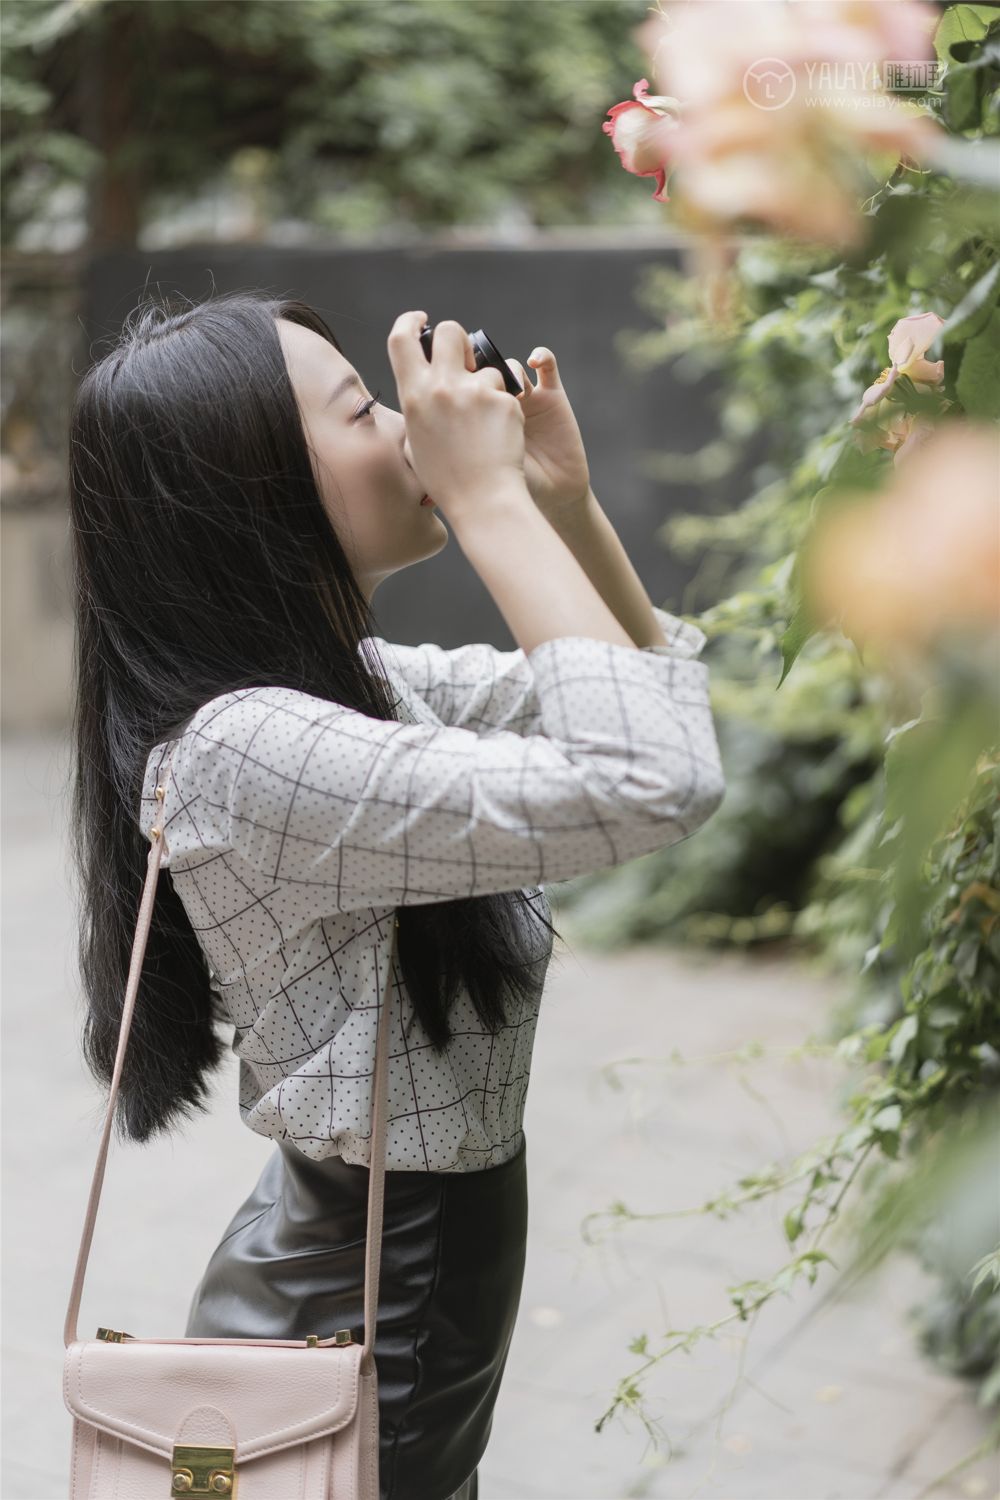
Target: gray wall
{"x":574,"y":298}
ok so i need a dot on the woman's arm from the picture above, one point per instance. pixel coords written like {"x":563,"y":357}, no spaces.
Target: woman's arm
{"x":595,"y":544}
{"x":481,"y":687}
{"x":543,"y":592}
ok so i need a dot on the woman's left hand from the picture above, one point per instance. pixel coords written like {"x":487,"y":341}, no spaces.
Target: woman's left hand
{"x":555,"y":461}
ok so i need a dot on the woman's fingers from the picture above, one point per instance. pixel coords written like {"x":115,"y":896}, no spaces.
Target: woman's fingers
{"x":544,"y":361}
{"x":451,"y":345}
{"x":405,"y":354}
{"x":516,"y":368}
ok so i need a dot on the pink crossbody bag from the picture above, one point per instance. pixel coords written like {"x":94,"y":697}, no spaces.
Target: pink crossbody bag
{"x":261,"y":1419}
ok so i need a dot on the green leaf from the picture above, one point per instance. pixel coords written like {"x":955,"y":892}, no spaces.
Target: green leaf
{"x":988,"y":1266}
{"x":902,"y":222}
{"x":903,"y":1034}
{"x":871,"y":957}
{"x":793,"y":1224}
{"x":888,"y":1119}
{"x":962,"y":23}
{"x":800,"y":628}
{"x":875,"y":1047}
{"x":978,"y":383}
{"x":989,"y":1391}
{"x":962,"y":86}
{"x":967,"y":957}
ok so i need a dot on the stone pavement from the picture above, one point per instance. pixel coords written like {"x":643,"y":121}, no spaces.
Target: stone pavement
{"x":823,"y":1401}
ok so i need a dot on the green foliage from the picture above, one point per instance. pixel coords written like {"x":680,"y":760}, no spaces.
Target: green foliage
{"x":966,"y":41}
{"x":978,"y":383}
{"x":941,"y":1046}
{"x":900,"y":889}
{"x":361,"y":115}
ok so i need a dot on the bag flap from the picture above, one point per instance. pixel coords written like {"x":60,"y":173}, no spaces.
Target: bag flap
{"x":143,"y":1390}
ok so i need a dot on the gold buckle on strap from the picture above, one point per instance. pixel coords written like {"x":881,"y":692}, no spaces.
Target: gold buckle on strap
{"x":203,"y":1471}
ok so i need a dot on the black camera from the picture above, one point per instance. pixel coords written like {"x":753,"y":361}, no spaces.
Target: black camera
{"x":486,"y":353}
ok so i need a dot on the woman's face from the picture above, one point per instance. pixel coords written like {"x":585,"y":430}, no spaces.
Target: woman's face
{"x":361,"y":461}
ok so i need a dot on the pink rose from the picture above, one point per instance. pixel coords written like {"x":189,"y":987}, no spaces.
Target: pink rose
{"x":640,"y":131}
{"x":909,"y":340}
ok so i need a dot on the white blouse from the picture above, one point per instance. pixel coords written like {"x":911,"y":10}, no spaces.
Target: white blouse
{"x":295,"y":826}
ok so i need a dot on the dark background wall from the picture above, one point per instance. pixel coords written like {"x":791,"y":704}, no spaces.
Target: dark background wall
{"x":575,"y":300}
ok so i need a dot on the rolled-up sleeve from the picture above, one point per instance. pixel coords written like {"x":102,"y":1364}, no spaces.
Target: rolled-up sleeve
{"x":356,"y":811}
{"x":477,"y":686}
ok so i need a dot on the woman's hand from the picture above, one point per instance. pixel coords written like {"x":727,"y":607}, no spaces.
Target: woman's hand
{"x":555,"y":460}
{"x":465,"y":435}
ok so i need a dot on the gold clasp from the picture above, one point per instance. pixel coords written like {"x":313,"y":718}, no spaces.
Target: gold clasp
{"x":113,"y":1336}
{"x":203,"y":1471}
{"x":342,"y":1336}
{"x":155,"y":832}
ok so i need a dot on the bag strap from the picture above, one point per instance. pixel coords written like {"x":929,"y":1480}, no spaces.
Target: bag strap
{"x":376,"y":1184}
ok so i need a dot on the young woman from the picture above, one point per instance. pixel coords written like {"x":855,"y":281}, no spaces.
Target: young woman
{"x":237,"y":496}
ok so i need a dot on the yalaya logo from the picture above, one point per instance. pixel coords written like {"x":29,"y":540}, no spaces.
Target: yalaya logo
{"x":769,"y":83}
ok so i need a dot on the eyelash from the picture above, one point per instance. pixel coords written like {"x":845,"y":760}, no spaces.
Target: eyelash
{"x":366,"y":407}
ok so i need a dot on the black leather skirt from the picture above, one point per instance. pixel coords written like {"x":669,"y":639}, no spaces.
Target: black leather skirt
{"x":291,"y":1262}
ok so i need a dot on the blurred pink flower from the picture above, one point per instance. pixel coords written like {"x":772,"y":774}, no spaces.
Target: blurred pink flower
{"x":792,"y":167}
{"x":909,"y":340}
{"x":923,"y":557}
{"x":729,"y":171}
{"x":699,"y":50}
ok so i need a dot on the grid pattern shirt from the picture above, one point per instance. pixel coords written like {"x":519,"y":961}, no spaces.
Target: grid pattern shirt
{"x":295,"y":826}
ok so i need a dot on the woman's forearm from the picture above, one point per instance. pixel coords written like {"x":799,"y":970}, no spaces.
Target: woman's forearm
{"x":597,"y":547}
{"x":538,"y":585}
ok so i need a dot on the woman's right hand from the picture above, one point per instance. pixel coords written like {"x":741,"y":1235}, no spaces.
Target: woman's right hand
{"x":464,"y":430}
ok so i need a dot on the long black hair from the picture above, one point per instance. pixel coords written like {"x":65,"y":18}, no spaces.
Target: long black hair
{"x":204,"y":562}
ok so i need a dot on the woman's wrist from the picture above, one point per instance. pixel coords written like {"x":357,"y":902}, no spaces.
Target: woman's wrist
{"x":530,"y":572}
{"x":503,"y":502}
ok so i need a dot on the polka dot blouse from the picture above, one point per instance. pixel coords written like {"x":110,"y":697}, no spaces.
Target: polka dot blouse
{"x":295,"y":826}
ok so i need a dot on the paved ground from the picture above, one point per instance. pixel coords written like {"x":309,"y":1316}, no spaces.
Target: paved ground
{"x":830,"y":1405}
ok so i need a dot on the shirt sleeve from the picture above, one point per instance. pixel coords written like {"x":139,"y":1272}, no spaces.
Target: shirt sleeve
{"x":479,"y":687}
{"x":356,"y":811}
